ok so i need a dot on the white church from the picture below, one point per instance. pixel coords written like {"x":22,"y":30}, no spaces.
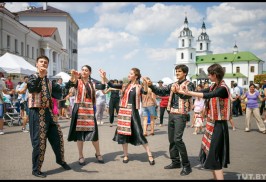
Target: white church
{"x":240,"y":67}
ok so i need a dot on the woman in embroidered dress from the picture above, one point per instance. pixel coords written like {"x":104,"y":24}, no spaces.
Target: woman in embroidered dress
{"x":214,"y":153}
{"x":83,"y":126}
{"x":129,"y":128}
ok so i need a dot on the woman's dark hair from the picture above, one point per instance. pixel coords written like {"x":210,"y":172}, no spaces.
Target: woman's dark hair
{"x":87,"y":66}
{"x":252,"y":84}
{"x":93,"y":90}
{"x":137,"y":73}
{"x":42,"y":57}
{"x":218,"y":70}
{"x":183,"y":67}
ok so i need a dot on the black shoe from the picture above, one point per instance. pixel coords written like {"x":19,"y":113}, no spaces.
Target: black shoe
{"x":99,"y":160}
{"x":82,"y":163}
{"x":172,"y":166}
{"x":39,"y":174}
{"x":152,"y":162}
{"x":125,"y":160}
{"x":185,"y":171}
{"x":66,"y":166}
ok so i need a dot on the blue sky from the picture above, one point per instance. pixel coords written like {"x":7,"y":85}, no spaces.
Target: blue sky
{"x":118,"y":36}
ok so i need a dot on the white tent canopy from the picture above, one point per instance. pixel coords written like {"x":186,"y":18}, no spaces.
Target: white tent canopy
{"x":167,"y":80}
{"x":11,"y":63}
{"x":62,"y":75}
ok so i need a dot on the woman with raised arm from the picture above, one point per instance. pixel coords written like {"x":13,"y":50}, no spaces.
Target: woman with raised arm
{"x":129,"y":128}
{"x":83,"y":126}
{"x":214,"y":153}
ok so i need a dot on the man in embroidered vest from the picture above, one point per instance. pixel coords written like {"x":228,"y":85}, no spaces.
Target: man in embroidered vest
{"x":179,"y":105}
{"x":41,"y":119}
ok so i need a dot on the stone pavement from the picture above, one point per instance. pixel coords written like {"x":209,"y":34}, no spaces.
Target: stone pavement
{"x":247,"y":150}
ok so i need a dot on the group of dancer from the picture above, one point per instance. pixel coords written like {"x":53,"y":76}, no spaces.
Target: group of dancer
{"x":214,"y":152}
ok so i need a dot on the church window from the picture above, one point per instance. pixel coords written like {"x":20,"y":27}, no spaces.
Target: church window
{"x":207,"y":46}
{"x":238,"y":69}
{"x":189,"y":42}
{"x":182,"y":55}
{"x":252,"y":69}
{"x":191,"y":55}
{"x":200,"y":46}
{"x":183,"y":43}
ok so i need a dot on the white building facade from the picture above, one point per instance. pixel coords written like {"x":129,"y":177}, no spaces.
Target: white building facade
{"x":240,"y":67}
{"x":48,"y":16}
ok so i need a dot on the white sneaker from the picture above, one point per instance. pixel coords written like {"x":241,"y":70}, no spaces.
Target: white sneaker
{"x":247,"y":130}
{"x":98,"y":122}
{"x":101,"y":122}
{"x":1,"y":132}
{"x":234,"y":128}
{"x":24,"y":130}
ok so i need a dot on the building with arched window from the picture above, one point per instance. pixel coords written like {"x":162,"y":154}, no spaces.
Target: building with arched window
{"x":240,"y":67}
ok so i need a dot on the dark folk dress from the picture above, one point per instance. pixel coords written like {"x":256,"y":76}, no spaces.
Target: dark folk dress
{"x":136,"y":138}
{"x":74,"y":135}
{"x":217,"y":156}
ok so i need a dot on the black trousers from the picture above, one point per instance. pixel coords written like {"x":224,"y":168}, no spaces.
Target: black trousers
{"x":42,"y":126}
{"x":262,"y":107}
{"x":177,"y":148}
{"x":162,"y":110}
{"x":113,"y":105}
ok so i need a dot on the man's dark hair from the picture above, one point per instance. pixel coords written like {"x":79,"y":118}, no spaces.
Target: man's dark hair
{"x":42,"y":57}
{"x":183,"y":67}
{"x":216,"y":69}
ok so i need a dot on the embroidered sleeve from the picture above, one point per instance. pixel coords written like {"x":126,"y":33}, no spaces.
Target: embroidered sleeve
{"x":34,"y":84}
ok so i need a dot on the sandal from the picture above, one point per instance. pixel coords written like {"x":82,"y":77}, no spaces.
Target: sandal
{"x":151,"y":162}
{"x":99,"y":160}
{"x":82,"y":163}
{"x":125,"y":160}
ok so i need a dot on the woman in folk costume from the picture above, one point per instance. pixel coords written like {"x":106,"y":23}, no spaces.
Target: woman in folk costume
{"x":129,"y":128}
{"x":214,"y":153}
{"x":83,"y":126}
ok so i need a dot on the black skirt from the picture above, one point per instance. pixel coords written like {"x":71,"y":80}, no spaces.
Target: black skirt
{"x":136,"y":138}
{"x":74,"y":135}
{"x":218,"y":156}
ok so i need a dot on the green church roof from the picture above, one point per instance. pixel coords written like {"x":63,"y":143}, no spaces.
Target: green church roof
{"x":227,"y":57}
{"x":226,"y":75}
{"x":234,"y":75}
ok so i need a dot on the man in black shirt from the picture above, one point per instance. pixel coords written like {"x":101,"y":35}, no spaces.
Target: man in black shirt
{"x":114,"y":102}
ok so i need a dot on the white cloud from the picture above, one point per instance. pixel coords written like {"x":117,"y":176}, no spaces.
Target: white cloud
{"x":110,"y":7}
{"x":131,"y":54}
{"x":244,"y":23}
{"x":159,"y":18}
{"x":161,"y":54}
{"x":102,"y":39}
{"x":73,"y":7}
{"x":16,"y":6}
